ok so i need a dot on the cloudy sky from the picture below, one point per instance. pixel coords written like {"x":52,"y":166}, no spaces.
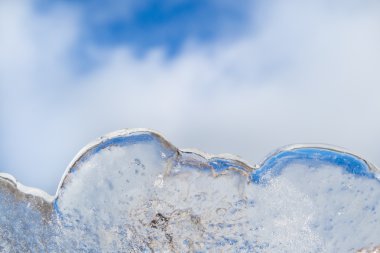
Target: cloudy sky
{"x":240,"y":77}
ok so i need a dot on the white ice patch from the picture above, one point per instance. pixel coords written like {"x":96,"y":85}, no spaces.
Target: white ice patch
{"x":135,"y":192}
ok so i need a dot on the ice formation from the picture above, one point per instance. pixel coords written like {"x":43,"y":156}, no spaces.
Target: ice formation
{"x":133,"y":191}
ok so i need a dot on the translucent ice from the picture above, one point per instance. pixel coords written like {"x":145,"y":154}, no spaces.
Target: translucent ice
{"x":132,"y":191}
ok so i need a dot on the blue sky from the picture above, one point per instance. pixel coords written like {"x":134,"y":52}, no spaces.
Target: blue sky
{"x":237,"y":77}
{"x":144,"y":25}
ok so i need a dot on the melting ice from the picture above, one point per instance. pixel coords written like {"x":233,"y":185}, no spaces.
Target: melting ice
{"x":132,"y":191}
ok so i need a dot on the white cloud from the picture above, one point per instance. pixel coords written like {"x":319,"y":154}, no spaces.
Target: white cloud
{"x":305,"y":72}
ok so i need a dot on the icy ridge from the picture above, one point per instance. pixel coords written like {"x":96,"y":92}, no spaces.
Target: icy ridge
{"x":195,"y":152}
{"x":133,"y":191}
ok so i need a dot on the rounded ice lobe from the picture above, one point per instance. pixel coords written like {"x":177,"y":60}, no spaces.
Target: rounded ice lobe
{"x":133,"y":191}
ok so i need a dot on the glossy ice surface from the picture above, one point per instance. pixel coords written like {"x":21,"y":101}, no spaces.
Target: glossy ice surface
{"x":132,"y":191}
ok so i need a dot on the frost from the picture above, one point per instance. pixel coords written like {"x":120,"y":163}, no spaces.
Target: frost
{"x":133,"y":191}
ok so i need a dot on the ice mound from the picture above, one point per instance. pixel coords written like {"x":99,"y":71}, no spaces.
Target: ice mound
{"x":132,"y":191}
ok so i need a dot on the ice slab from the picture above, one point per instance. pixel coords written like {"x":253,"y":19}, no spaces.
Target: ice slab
{"x":133,"y":191}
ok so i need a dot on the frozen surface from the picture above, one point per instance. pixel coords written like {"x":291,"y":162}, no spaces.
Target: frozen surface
{"x":133,"y":191}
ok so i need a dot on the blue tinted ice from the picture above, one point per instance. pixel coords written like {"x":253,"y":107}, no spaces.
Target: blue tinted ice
{"x":132,"y":191}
